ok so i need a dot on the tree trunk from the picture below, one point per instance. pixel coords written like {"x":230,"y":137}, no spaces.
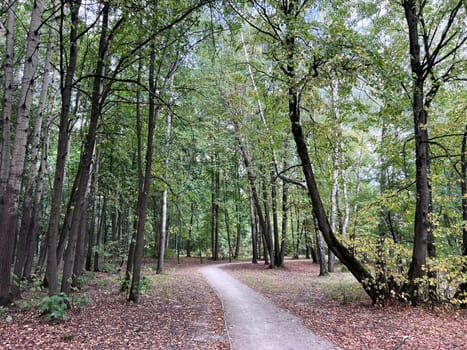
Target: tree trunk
{"x":11,"y":188}
{"x":463,"y":184}
{"x":215,"y":209}
{"x":320,"y":249}
{"x":163,"y":235}
{"x":100,"y":237}
{"x":267,"y":218}
{"x":254,"y":233}
{"x":190,"y":231}
{"x":227,"y":229}
{"x":92,"y":225}
{"x":66,"y":75}
{"x":423,"y":235}
{"x":275,"y":223}
{"x":79,"y":202}
{"x":27,"y":237}
{"x":461,"y":292}
{"x":34,"y":224}
{"x":9,"y":87}
{"x":285,"y":210}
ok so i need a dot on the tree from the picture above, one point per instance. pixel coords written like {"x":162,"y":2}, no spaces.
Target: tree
{"x":11,"y":171}
{"x":430,"y":50}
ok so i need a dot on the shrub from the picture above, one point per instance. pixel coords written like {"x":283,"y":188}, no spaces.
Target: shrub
{"x":55,"y":307}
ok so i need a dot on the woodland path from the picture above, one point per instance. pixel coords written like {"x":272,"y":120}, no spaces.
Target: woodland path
{"x":254,"y":322}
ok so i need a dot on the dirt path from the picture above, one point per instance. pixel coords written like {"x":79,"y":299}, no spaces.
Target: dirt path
{"x":254,"y":322}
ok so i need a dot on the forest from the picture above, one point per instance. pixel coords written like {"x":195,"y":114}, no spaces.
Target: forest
{"x":333,"y":130}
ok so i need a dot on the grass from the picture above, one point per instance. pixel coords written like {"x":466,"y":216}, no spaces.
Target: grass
{"x":340,"y":286}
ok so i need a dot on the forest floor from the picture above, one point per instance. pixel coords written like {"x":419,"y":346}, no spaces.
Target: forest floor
{"x":179,"y":310}
{"x":336,"y":308}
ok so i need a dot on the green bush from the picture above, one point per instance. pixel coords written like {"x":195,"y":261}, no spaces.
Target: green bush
{"x":55,"y":307}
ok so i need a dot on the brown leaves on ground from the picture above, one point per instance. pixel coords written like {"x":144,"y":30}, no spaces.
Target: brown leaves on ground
{"x":336,"y":308}
{"x":179,"y":311}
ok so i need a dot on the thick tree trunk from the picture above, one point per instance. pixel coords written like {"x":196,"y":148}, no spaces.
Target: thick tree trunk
{"x":11,"y":188}
{"x":423,"y":235}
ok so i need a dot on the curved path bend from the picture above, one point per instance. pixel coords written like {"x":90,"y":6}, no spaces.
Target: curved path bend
{"x":254,"y":322}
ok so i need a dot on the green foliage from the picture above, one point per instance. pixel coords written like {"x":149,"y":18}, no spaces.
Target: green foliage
{"x":82,"y":300}
{"x":55,"y":307}
{"x":144,"y":285}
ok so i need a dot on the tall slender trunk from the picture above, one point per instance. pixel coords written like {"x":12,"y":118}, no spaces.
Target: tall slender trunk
{"x":267,"y":218}
{"x":100,"y":236}
{"x":26,"y":237}
{"x":141,"y":205}
{"x":11,"y":188}
{"x":254,"y":233}
{"x":341,"y":251}
{"x":463,"y":184}
{"x":92,"y":224}
{"x":275,"y":222}
{"x":285,"y":211}
{"x":34,"y":223}
{"x":190,"y":231}
{"x":461,"y":292}
{"x":227,"y":229}
{"x":67,"y":74}
{"x":9,"y":87}
{"x":423,"y":227}
{"x":320,"y":249}
{"x":79,"y":202}
{"x":215,"y":178}
{"x":163,"y":235}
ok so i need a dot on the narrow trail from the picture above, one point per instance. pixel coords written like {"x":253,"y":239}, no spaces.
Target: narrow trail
{"x":255,"y":323}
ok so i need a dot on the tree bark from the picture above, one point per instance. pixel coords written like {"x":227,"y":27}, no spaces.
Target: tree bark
{"x":164,"y":215}
{"x":9,"y":86}
{"x":66,"y":75}
{"x":320,"y":249}
{"x":27,"y":237}
{"x":254,"y":233}
{"x":79,"y":202}
{"x":10,"y":186}
{"x":423,"y":207}
{"x":254,"y":192}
